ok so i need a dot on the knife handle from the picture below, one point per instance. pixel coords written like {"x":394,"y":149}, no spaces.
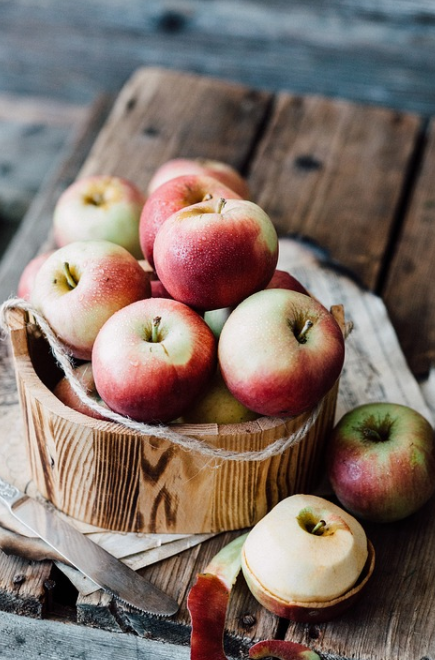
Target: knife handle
{"x":9,"y":493}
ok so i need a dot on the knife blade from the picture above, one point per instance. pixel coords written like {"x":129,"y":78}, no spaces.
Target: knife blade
{"x":97,"y":564}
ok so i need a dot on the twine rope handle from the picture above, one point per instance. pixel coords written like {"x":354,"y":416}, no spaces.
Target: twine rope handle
{"x":186,"y":442}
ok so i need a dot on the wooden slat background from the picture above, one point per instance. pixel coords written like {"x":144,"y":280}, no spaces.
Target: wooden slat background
{"x":375,"y":51}
{"x":349,"y":178}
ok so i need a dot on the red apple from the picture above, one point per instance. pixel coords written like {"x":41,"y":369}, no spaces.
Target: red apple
{"x":381,"y":461}
{"x":27,"y":279}
{"x":223,"y":172}
{"x":65,"y":393}
{"x":281,"y":279}
{"x":280,"y":352}
{"x":152,"y":359}
{"x":158,"y":290}
{"x":173,"y":196}
{"x":100,"y":207}
{"x":81,"y":285}
{"x":215,"y":253}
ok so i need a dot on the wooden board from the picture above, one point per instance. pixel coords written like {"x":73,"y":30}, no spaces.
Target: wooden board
{"x":379,"y":52}
{"x":339,"y":172}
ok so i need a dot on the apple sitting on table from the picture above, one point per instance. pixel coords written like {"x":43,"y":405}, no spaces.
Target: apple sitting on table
{"x":81,"y":285}
{"x":152,"y":359}
{"x":173,"y":196}
{"x":100,"y":207}
{"x":381,"y":461}
{"x":215,"y":253}
{"x":223,"y":172}
{"x":305,"y":553}
{"x":280,"y":352}
{"x":27,"y":278}
{"x":65,"y":392}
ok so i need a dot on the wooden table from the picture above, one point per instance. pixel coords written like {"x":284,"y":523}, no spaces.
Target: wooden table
{"x":358,"y":181}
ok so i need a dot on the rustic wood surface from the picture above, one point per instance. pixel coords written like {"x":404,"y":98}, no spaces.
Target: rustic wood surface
{"x":369,"y":166}
{"x":375,"y":51}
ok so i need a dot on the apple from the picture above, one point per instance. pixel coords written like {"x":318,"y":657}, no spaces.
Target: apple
{"x":223,"y":172}
{"x":80,"y":285}
{"x":152,"y":359}
{"x":280,"y":352}
{"x":27,"y":278}
{"x":100,"y":207}
{"x":158,"y":290}
{"x":304,"y":554}
{"x":215,"y":318}
{"x":173,"y":196}
{"x":281,"y":279}
{"x":381,"y":461}
{"x":215,"y":253}
{"x":217,"y":406}
{"x":65,"y":392}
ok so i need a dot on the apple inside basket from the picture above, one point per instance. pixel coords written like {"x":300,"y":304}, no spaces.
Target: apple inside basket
{"x":110,"y":476}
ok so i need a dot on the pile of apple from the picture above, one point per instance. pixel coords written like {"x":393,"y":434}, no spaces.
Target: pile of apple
{"x":187,"y":309}
{"x":173,"y":308}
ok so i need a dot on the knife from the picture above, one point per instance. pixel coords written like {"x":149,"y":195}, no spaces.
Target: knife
{"x":97,"y":564}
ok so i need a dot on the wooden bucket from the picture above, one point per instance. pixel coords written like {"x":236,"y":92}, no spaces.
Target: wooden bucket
{"x":107,"y":475}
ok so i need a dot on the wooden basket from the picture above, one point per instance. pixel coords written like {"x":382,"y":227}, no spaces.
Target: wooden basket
{"x":104,"y":474}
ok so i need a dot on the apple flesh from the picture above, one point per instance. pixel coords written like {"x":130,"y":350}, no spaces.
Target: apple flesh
{"x":171,"y":197}
{"x":305,"y":551}
{"x":215,"y":253}
{"x":81,"y":285}
{"x":65,"y":393}
{"x":100,"y":207}
{"x":280,"y":352}
{"x":381,"y":461}
{"x":152,"y":359}
{"x":223,"y":172}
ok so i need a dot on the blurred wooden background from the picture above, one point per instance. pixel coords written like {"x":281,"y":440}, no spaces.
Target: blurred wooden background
{"x":58,"y":56}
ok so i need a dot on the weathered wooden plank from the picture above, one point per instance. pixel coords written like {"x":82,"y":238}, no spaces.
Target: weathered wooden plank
{"x":377,"y":52}
{"x":246,"y":619}
{"x":333,"y":171}
{"x":36,"y":226}
{"x":22,"y":638}
{"x":409,"y":293}
{"x":209,"y":119}
{"x":23,"y":585}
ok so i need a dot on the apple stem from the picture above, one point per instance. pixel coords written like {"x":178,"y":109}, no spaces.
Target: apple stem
{"x":372,"y":434}
{"x":319,"y":528}
{"x":207,"y":197}
{"x":302,"y":336}
{"x":155,"y":329}
{"x":220,"y":205}
{"x":69,"y":277}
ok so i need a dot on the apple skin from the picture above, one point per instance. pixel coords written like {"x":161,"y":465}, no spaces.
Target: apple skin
{"x":153,"y":379}
{"x":100,"y":207}
{"x":217,"y":406}
{"x":107,"y":278}
{"x":27,"y":278}
{"x":287,"y":565}
{"x":65,"y":393}
{"x":281,"y":279}
{"x":172,"y":196}
{"x":215,"y":253}
{"x":381,"y":461}
{"x":223,"y":172}
{"x":264,"y":364}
